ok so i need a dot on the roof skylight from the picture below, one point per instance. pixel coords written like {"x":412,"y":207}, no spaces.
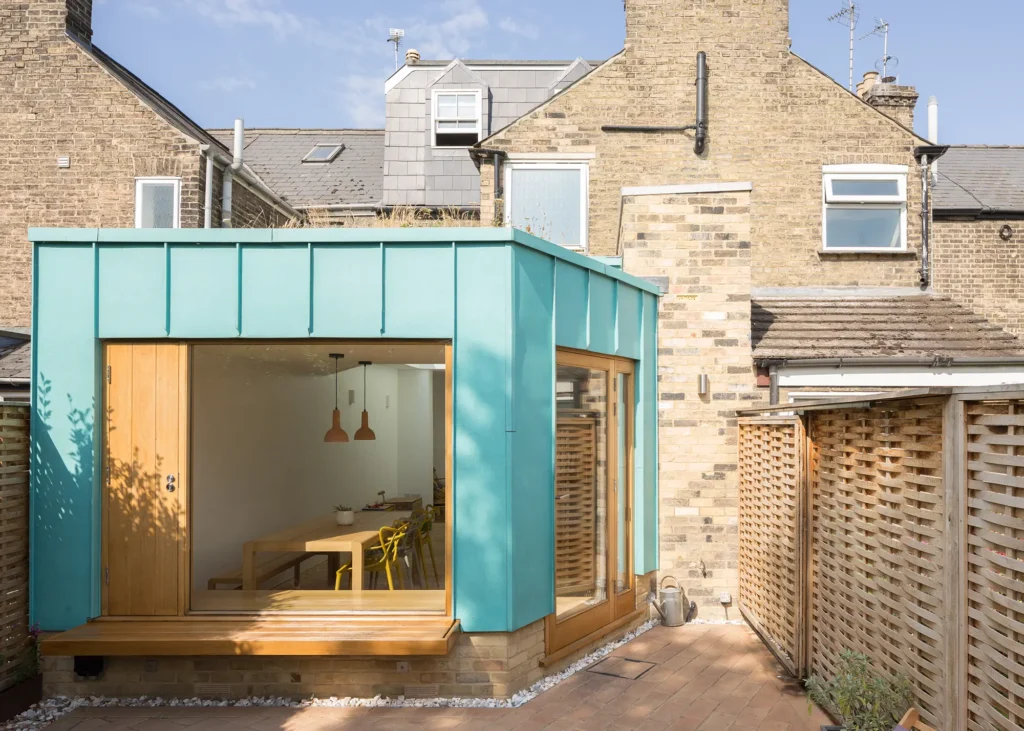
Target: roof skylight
{"x":323,"y":153}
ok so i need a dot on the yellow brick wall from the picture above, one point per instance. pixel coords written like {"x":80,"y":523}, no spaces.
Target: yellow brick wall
{"x":981,"y":271}
{"x":701,"y":244}
{"x":774,"y":121}
{"x":55,"y":100}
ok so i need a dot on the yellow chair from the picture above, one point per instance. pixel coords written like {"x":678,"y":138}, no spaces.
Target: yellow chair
{"x":379,"y":558}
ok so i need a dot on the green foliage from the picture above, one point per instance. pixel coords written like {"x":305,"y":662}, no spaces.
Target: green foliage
{"x":343,"y":508}
{"x":860,"y":698}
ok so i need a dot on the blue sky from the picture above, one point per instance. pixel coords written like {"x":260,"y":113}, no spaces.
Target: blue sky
{"x":309,"y":63}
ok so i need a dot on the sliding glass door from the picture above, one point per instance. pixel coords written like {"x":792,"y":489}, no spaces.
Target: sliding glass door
{"x":593,"y":488}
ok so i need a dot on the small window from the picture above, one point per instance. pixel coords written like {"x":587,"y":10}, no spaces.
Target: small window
{"x":865,"y":208}
{"x":549,"y":200}
{"x":457,"y":118}
{"x":157,"y":202}
{"x":323,"y":153}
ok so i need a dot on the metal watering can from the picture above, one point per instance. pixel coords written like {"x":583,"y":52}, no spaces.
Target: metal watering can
{"x":673,"y":601}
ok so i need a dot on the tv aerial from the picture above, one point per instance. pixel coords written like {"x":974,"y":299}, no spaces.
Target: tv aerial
{"x":887,"y":62}
{"x":397,"y":34}
{"x":848,"y":16}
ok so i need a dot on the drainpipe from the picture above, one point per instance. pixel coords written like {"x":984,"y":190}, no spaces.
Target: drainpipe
{"x":773,"y":385}
{"x":924,"y":154}
{"x":480,"y":153}
{"x":208,"y":201}
{"x":229,"y":173}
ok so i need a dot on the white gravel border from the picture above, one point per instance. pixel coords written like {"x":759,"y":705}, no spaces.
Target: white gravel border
{"x":46,"y":712}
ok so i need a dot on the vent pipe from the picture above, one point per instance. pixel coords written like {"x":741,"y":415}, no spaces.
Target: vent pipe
{"x":701,"y":138}
{"x":933,"y":132}
{"x":229,"y":173}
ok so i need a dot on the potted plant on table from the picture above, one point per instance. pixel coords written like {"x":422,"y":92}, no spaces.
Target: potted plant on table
{"x":859,"y":698}
{"x":344,"y":514}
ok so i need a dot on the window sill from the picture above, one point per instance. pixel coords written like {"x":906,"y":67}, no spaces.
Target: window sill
{"x":908,"y":253}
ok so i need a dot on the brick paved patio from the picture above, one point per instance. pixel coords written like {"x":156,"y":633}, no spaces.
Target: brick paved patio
{"x":707,"y":677}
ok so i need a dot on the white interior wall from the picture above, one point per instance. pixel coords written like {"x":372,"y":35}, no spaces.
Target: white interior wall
{"x":259,"y":462}
{"x":415,"y":434}
{"x":438,"y":385}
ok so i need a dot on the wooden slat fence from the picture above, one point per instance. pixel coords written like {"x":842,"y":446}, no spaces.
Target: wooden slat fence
{"x":771,"y":543}
{"x":912,"y":515}
{"x":16,"y":644}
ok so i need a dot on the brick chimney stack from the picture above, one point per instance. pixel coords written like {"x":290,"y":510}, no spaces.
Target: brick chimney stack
{"x":79,"y":19}
{"x":673,"y":29}
{"x":893,"y":100}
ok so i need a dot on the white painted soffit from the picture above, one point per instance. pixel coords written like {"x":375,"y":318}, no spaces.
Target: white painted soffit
{"x":899,"y":376}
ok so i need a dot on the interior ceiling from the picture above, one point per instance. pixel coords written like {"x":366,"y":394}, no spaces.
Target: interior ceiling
{"x":315,"y":358}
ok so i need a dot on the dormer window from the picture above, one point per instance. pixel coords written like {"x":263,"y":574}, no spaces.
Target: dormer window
{"x":323,"y":153}
{"x":457,"y":118}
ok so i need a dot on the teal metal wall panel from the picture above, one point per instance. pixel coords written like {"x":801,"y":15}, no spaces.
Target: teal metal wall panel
{"x":133,"y":291}
{"x":347,"y":291}
{"x":204,"y":291}
{"x":418,"y":291}
{"x":275,"y":291}
{"x":602,"y":314}
{"x":504,"y":304}
{"x":532,"y":458}
{"x":645,"y":501}
{"x":572,"y":297}
{"x":628,"y":323}
{"x":482,"y":519}
{"x":65,"y":506}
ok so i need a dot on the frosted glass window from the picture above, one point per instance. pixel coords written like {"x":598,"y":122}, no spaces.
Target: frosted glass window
{"x":549,"y":202}
{"x":156,"y":203}
{"x":864,"y":228}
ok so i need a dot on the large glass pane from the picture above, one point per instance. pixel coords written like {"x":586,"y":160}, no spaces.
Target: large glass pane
{"x":622,"y":563}
{"x":447,"y":106}
{"x":581,"y":520}
{"x":548,"y":203}
{"x":158,"y":205}
{"x":467,"y":106}
{"x":863,"y":228}
{"x":861,"y":188}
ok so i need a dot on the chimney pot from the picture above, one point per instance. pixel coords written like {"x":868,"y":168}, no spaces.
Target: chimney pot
{"x":412,"y":57}
{"x":870,"y":79}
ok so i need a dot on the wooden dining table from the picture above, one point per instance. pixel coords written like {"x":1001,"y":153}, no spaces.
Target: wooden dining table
{"x":322,"y":535}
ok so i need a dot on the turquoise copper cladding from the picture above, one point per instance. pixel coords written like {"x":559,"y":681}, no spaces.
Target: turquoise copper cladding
{"x":504,"y":298}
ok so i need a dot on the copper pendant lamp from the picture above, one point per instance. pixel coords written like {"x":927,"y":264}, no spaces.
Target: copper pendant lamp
{"x":336,"y":435}
{"x":365,"y":433}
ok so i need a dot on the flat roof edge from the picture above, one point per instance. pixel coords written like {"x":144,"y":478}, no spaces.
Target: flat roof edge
{"x":222,"y":237}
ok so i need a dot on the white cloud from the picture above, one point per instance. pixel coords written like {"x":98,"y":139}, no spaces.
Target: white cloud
{"x":519,"y":29}
{"x":234,"y":13}
{"x":227,"y":84}
{"x":453,"y":36}
{"x":363,"y":100}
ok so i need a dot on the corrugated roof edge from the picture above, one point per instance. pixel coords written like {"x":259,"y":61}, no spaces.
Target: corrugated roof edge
{"x":200,"y":236}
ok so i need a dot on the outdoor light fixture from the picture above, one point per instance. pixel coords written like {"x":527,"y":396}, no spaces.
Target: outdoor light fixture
{"x":702,"y":385}
{"x":365,"y":433}
{"x":337,"y":435}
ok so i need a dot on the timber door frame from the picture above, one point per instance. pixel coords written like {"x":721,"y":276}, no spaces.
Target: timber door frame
{"x":617,"y":605}
{"x":182,"y":472}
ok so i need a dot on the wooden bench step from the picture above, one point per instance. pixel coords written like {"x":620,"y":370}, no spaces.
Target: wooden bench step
{"x":268,"y":568}
{"x":407,"y":636}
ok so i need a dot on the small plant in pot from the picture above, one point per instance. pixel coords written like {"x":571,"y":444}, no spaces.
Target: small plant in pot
{"x":344,"y":514}
{"x":859,"y":698}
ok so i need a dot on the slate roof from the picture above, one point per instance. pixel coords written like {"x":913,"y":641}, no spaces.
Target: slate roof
{"x":355,"y":176}
{"x":923,"y":326}
{"x":978,"y":179}
{"x":15,"y":359}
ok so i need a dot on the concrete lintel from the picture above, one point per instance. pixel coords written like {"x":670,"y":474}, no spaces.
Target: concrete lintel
{"x":689,"y":189}
{"x":798,"y":293}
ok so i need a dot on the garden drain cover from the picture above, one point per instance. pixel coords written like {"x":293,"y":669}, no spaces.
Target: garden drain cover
{"x":621,"y":667}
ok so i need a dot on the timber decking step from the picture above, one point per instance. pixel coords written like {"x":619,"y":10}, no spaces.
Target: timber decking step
{"x":291,"y":636}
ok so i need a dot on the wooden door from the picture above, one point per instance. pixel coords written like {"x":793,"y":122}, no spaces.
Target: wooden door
{"x":144,"y":478}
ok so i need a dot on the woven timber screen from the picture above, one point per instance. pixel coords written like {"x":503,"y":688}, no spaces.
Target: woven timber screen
{"x":770,"y":514}
{"x":913,"y":510}
{"x":17,"y":645}
{"x":576,"y":459}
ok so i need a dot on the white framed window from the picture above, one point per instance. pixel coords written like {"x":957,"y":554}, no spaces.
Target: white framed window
{"x":458,"y":118}
{"x":864,"y":208}
{"x":323,"y":152}
{"x":549,"y":199}
{"x":158,"y":202}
